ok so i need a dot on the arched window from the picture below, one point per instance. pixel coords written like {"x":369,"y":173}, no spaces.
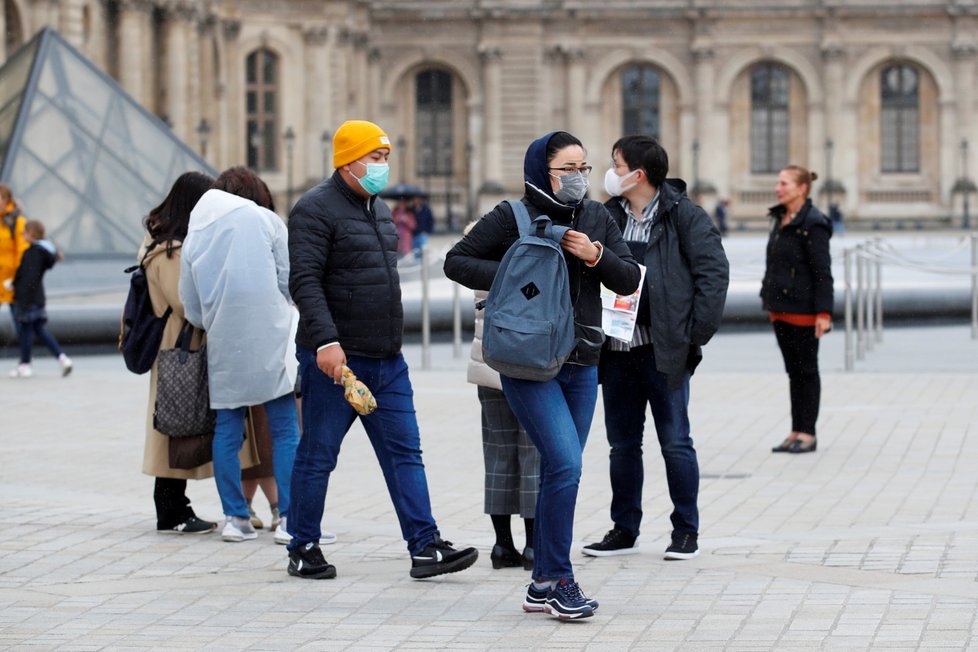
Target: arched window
{"x":433,"y":125}
{"x":640,"y":100}
{"x":261,"y":100}
{"x":769,"y":118}
{"x":899,"y":119}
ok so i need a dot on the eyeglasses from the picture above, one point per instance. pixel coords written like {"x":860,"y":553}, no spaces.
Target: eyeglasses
{"x":570,"y":169}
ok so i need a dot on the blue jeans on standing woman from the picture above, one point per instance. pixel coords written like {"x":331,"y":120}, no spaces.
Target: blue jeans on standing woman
{"x":629,"y":382}
{"x":392,"y":430}
{"x":283,"y":423}
{"x":556,"y":415}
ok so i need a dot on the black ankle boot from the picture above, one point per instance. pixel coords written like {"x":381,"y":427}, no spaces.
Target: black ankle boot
{"x":505,"y":557}
{"x":528,"y":559}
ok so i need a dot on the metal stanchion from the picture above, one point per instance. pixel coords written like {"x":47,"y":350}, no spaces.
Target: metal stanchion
{"x":456,"y":322}
{"x":860,"y":306}
{"x":425,"y":310}
{"x":879,"y":291}
{"x":847,"y":263}
{"x":869,"y":297}
{"x":974,"y":286}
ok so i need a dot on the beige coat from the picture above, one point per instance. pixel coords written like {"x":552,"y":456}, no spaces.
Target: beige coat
{"x":163,"y":278}
{"x":479,"y":373}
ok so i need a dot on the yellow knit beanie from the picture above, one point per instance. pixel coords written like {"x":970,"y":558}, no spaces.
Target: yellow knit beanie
{"x":356,"y":138}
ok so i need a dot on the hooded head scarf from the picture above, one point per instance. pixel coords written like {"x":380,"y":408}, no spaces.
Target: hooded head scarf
{"x":535,"y":165}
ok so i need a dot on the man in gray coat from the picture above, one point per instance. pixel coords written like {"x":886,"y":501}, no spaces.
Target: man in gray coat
{"x":679,"y":311}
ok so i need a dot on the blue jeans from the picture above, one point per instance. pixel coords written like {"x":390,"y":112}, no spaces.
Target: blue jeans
{"x":392,"y":430}
{"x":283,"y":423}
{"x":556,"y":415}
{"x":28,"y":329}
{"x":629,"y":381}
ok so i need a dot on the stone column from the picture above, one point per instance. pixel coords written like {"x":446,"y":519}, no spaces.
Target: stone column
{"x":177,"y":46}
{"x":576,"y":81}
{"x":492,"y":154}
{"x":964,"y":53}
{"x":71,"y":27}
{"x":709,"y":163}
{"x":135,"y":35}
{"x":318,"y":109}
{"x":371,"y":85}
{"x":231,"y":104}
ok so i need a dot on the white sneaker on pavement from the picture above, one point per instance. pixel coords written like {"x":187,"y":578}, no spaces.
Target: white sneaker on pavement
{"x":281,"y":534}
{"x":66,"y":365}
{"x":21,"y":371}
{"x":238,"y":529}
{"x":326,"y":538}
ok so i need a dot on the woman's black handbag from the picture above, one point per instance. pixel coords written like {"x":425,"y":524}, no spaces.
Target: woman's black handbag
{"x":182,"y":399}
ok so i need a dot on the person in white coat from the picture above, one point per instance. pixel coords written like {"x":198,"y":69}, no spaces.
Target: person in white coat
{"x":234,"y":284}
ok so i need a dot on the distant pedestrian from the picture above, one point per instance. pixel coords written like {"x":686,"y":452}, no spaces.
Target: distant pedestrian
{"x":425,"y":220}
{"x":343,"y":251}
{"x":556,"y":413}
{"x":234,"y":285}
{"x":166,"y":227}
{"x":29,"y":300}
{"x":403,"y":218}
{"x":835,"y":216}
{"x":12,"y":247}
{"x":721,"y":214}
{"x":797,"y":292}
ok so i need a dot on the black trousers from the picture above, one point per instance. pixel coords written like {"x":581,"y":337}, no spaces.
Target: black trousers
{"x":172,"y":504}
{"x":799,"y":348}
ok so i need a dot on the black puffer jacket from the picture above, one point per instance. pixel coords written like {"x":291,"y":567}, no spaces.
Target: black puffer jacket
{"x":686,"y":279}
{"x":28,"y":281}
{"x":343,"y":278}
{"x":798,"y":278}
{"x":473,"y":261}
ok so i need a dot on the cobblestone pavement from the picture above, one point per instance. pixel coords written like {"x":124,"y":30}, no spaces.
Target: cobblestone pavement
{"x":872,"y":542}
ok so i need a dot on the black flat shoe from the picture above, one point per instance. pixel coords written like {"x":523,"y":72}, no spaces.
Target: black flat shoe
{"x":528,"y":559}
{"x":799,"y":446}
{"x":505,"y":557}
{"x":784,"y":446}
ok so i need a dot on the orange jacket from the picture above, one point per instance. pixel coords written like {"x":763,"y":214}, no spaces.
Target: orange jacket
{"x":12,"y":248}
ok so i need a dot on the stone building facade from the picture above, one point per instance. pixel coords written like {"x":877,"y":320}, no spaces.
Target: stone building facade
{"x":877,"y":97}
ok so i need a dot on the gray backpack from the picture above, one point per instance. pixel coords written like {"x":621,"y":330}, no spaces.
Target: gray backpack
{"x":529,"y":319}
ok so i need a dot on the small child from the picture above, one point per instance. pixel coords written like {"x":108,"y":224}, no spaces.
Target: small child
{"x":29,"y":299}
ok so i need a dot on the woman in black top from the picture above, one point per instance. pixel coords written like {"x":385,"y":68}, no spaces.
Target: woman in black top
{"x":797,"y":292}
{"x":555,"y":413}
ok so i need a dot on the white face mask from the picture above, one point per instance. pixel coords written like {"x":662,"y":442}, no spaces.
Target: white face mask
{"x":614,"y":185}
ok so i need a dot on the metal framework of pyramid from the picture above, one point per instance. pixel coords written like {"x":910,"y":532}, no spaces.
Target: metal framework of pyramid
{"x":79,"y":153}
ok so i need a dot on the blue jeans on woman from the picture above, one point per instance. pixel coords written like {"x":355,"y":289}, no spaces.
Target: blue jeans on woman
{"x":392,"y":430}
{"x":283,"y":423}
{"x":556,"y":415}
{"x":629,"y":382}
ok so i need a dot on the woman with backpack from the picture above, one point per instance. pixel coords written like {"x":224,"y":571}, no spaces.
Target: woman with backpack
{"x":160,"y":255}
{"x":556,"y":413}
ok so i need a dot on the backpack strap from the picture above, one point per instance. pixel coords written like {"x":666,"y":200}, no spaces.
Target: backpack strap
{"x":522,"y":217}
{"x":524,"y":223}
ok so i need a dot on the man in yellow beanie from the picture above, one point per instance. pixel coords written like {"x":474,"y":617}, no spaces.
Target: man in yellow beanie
{"x":343,"y":255}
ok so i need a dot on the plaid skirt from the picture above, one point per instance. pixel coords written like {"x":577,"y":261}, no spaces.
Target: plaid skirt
{"x":512,"y":461}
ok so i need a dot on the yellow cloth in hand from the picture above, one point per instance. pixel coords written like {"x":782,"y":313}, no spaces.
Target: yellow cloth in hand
{"x":357,"y":394}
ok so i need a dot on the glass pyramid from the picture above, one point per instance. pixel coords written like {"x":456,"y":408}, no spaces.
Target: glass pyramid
{"x":79,"y":153}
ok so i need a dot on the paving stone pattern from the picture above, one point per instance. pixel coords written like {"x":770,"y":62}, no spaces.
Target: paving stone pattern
{"x":872,"y":542}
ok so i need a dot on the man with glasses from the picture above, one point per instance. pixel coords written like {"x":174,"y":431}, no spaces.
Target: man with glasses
{"x":679,"y":311}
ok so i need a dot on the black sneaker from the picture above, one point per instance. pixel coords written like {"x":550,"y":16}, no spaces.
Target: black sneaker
{"x":192,"y":525}
{"x":307,"y":562}
{"x":683,"y":546}
{"x":536,"y":600}
{"x":567,"y":602}
{"x":439,"y":557}
{"x":616,"y":542}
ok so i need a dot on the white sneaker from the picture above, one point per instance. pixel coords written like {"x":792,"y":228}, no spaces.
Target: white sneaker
{"x":281,"y":534}
{"x":327,"y":538}
{"x":66,"y":365}
{"x":238,"y":529}
{"x":21,"y":371}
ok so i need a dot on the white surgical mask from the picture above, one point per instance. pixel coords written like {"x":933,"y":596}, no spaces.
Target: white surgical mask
{"x":614,"y":185}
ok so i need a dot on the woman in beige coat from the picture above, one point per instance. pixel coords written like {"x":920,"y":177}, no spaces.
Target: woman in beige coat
{"x":160,"y":253}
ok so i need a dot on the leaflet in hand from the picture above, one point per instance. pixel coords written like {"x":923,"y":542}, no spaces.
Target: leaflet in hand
{"x":619,"y":312}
